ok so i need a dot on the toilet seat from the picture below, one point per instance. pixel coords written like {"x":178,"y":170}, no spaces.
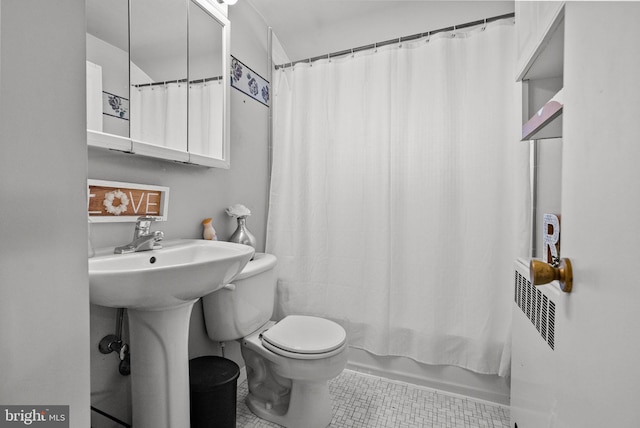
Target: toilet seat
{"x":305,"y":337}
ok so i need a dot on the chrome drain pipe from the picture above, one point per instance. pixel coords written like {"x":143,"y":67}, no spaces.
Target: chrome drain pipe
{"x":113,"y":343}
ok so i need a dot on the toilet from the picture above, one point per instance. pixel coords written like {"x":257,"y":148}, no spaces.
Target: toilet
{"x":288,"y":362}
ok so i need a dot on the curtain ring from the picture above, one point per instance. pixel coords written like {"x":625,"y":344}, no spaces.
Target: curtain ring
{"x":484,"y":27}
{"x":329,"y":57}
{"x":352,"y":53}
{"x":453,"y":33}
{"x":375,"y":47}
{"x":428,"y":37}
{"x":399,"y":42}
{"x":310,"y":64}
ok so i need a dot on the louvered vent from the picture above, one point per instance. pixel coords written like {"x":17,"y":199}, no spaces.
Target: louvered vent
{"x":537,"y":307}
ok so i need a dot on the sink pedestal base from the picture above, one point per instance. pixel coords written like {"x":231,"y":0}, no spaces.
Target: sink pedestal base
{"x":160,"y":366}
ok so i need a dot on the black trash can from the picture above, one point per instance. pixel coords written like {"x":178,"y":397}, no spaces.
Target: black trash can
{"x":213,"y":387}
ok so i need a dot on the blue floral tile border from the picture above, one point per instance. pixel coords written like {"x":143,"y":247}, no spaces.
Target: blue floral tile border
{"x":115,"y":105}
{"x":247,"y":81}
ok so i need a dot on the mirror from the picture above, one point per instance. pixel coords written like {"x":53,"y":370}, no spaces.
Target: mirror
{"x":158,"y":72}
{"x":206,"y":89}
{"x":108,"y":66}
{"x":164,"y":63}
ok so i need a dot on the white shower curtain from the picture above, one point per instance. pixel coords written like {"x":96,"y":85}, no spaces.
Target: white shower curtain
{"x":394,"y":207}
{"x":159,"y":115}
{"x":206,"y":102}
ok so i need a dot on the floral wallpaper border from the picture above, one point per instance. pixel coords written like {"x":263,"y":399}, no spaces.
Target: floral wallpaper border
{"x":115,"y":105}
{"x":249,"y":82}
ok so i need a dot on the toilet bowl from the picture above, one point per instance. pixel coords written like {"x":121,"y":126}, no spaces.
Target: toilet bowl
{"x":288,"y":362}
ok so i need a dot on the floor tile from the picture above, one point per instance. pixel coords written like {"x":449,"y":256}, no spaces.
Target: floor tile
{"x":365,"y":401}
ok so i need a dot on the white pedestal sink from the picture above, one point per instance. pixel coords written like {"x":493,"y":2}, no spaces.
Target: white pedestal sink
{"x":159,"y":288}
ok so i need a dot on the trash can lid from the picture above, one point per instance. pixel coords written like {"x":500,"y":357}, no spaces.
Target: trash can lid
{"x":210,"y":372}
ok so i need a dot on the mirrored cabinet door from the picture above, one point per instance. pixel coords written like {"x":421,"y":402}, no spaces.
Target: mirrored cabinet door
{"x":157,"y":80}
{"x":206,"y":84}
{"x":159,"y":76}
{"x":108,"y":71}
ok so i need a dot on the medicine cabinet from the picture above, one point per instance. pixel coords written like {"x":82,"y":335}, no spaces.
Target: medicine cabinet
{"x":157,"y":84}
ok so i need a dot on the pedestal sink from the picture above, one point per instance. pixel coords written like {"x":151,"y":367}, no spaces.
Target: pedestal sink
{"x":159,"y":288}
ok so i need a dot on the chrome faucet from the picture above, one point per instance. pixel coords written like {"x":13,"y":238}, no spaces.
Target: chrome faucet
{"x":143,"y":239}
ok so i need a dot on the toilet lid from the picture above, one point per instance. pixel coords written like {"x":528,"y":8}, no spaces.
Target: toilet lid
{"x":304,"y":335}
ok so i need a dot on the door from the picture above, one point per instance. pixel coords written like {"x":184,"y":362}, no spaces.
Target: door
{"x":598,"y":352}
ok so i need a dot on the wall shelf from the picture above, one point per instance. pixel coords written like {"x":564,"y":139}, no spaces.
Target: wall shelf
{"x":546,"y":58}
{"x":541,"y":74}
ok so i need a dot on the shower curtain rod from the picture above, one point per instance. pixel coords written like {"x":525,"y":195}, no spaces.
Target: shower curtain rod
{"x":398,"y":40}
{"x":166,"y":82}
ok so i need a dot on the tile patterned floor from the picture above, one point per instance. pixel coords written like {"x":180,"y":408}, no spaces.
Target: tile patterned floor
{"x":364,"y":401}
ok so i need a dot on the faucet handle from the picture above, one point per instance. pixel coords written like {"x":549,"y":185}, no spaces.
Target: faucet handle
{"x":147,"y":218}
{"x":145,"y":221}
{"x":143,"y":226}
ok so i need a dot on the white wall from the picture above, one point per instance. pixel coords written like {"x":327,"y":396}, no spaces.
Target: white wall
{"x":196,"y":193}
{"x":44,"y":287}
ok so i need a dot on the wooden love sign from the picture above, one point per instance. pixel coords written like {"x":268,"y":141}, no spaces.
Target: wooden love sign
{"x":110,"y":201}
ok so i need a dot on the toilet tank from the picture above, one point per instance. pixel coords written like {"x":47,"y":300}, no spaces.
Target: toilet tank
{"x":241,"y":307}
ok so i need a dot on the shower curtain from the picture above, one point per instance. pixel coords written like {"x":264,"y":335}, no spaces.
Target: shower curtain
{"x":206,"y":104}
{"x":394,"y":205}
{"x":159,"y":115}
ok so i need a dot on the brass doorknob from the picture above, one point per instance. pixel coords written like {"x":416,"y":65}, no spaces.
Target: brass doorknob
{"x":543,"y":273}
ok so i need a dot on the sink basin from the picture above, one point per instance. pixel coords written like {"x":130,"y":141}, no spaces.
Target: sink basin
{"x":182,"y":271}
{"x":159,"y":288}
